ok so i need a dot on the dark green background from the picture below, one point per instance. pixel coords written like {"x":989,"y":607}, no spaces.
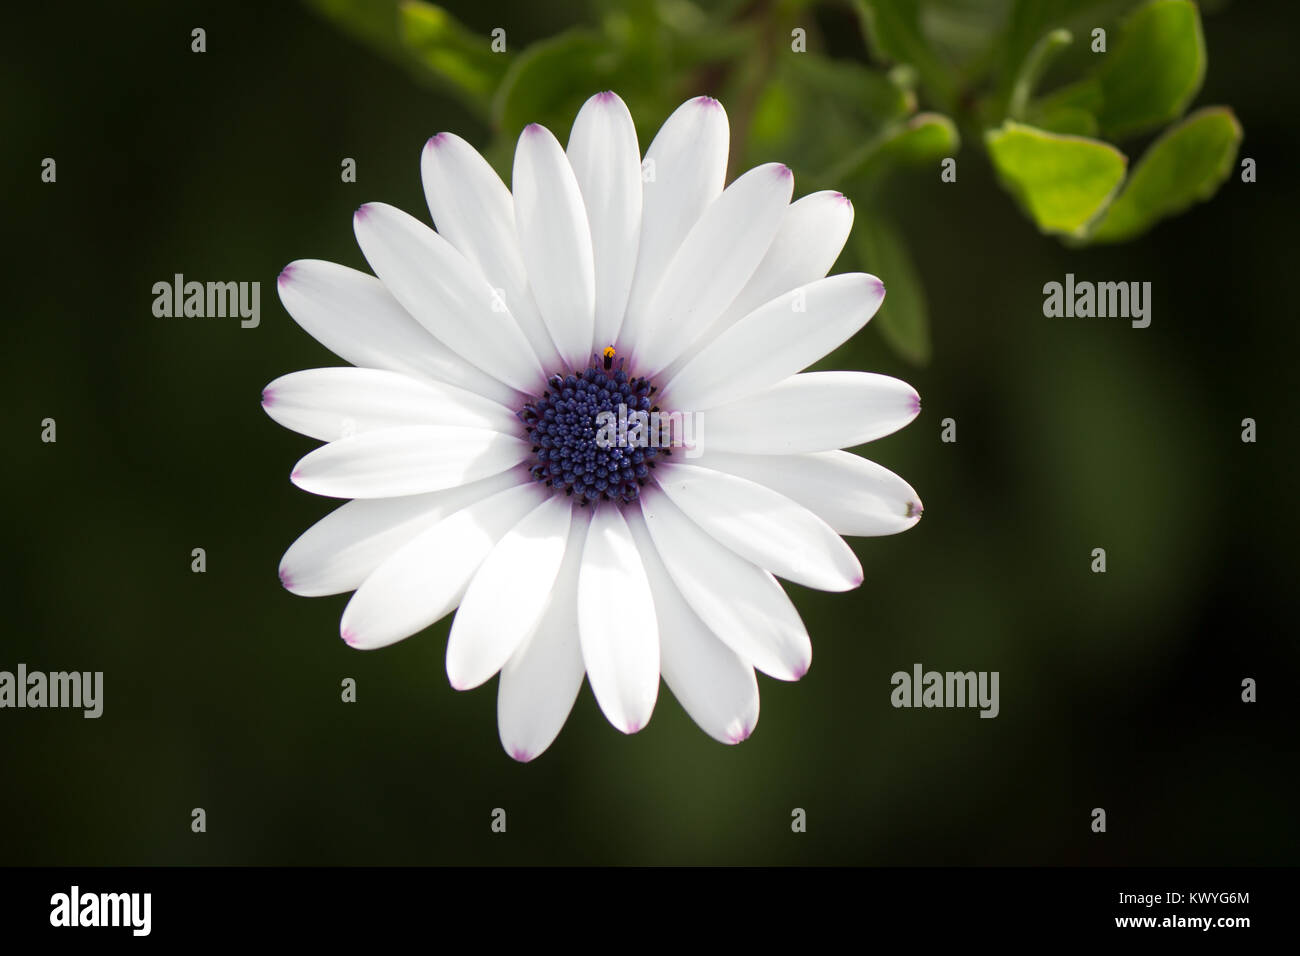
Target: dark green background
{"x":222,"y":690}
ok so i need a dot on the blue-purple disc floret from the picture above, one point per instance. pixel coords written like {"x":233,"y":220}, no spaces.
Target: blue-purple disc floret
{"x":564,"y":425}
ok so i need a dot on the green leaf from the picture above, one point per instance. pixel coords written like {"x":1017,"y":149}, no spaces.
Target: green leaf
{"x":1154,"y":71}
{"x":892,"y":29}
{"x":1061,"y":181}
{"x":925,"y":138}
{"x":551,"y":80}
{"x":462,"y":59}
{"x":904,"y":318}
{"x":1185,"y":165}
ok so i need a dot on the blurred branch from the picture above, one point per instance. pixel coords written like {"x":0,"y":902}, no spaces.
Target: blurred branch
{"x":1043,"y":52}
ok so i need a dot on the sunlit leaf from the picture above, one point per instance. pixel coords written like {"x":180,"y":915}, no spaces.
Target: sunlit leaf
{"x":1184,"y":166}
{"x":1061,"y":181}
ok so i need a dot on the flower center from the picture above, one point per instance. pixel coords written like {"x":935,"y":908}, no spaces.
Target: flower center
{"x":574,"y":428}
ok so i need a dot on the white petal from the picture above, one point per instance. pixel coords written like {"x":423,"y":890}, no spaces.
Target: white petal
{"x":540,"y":682}
{"x":776,"y":340}
{"x":406,"y":461}
{"x":683,"y":173}
{"x":607,"y":165}
{"x":447,"y":294}
{"x":472,"y":208}
{"x":810,"y":238}
{"x":353,"y":315}
{"x":332,"y":403}
{"x":763,"y":526}
{"x":338,"y":552}
{"x":815,"y":411}
{"x":739,"y":602}
{"x":850,"y":493}
{"x":424,"y":580}
{"x":714,"y":262}
{"x":555,"y":242}
{"x":710,"y":680}
{"x":503,"y":603}
{"x":617,"y":624}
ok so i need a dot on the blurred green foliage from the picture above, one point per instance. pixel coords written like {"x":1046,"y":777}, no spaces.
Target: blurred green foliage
{"x":1187,"y":164}
{"x":851,"y":122}
{"x":1060,"y":179}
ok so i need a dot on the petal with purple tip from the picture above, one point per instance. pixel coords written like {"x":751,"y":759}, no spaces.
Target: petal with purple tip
{"x":775,"y":341}
{"x":811,"y":235}
{"x":683,"y":172}
{"x":853,"y":495}
{"x":739,"y":602}
{"x":424,"y":580}
{"x":406,"y":461}
{"x":555,"y":241}
{"x":617,"y":626}
{"x":339,"y":551}
{"x":474,"y":210}
{"x":814,"y":411}
{"x":715,"y":260}
{"x":332,"y":403}
{"x":353,"y":315}
{"x":763,"y":526}
{"x":509,"y":591}
{"x":710,"y":680}
{"x":540,"y":682}
{"x":607,"y":165}
{"x":447,"y":294}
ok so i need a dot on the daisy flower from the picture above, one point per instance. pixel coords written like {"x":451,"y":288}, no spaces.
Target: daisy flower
{"x":490,"y":355}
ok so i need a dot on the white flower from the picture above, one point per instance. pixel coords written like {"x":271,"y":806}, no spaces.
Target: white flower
{"x":483,"y":353}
